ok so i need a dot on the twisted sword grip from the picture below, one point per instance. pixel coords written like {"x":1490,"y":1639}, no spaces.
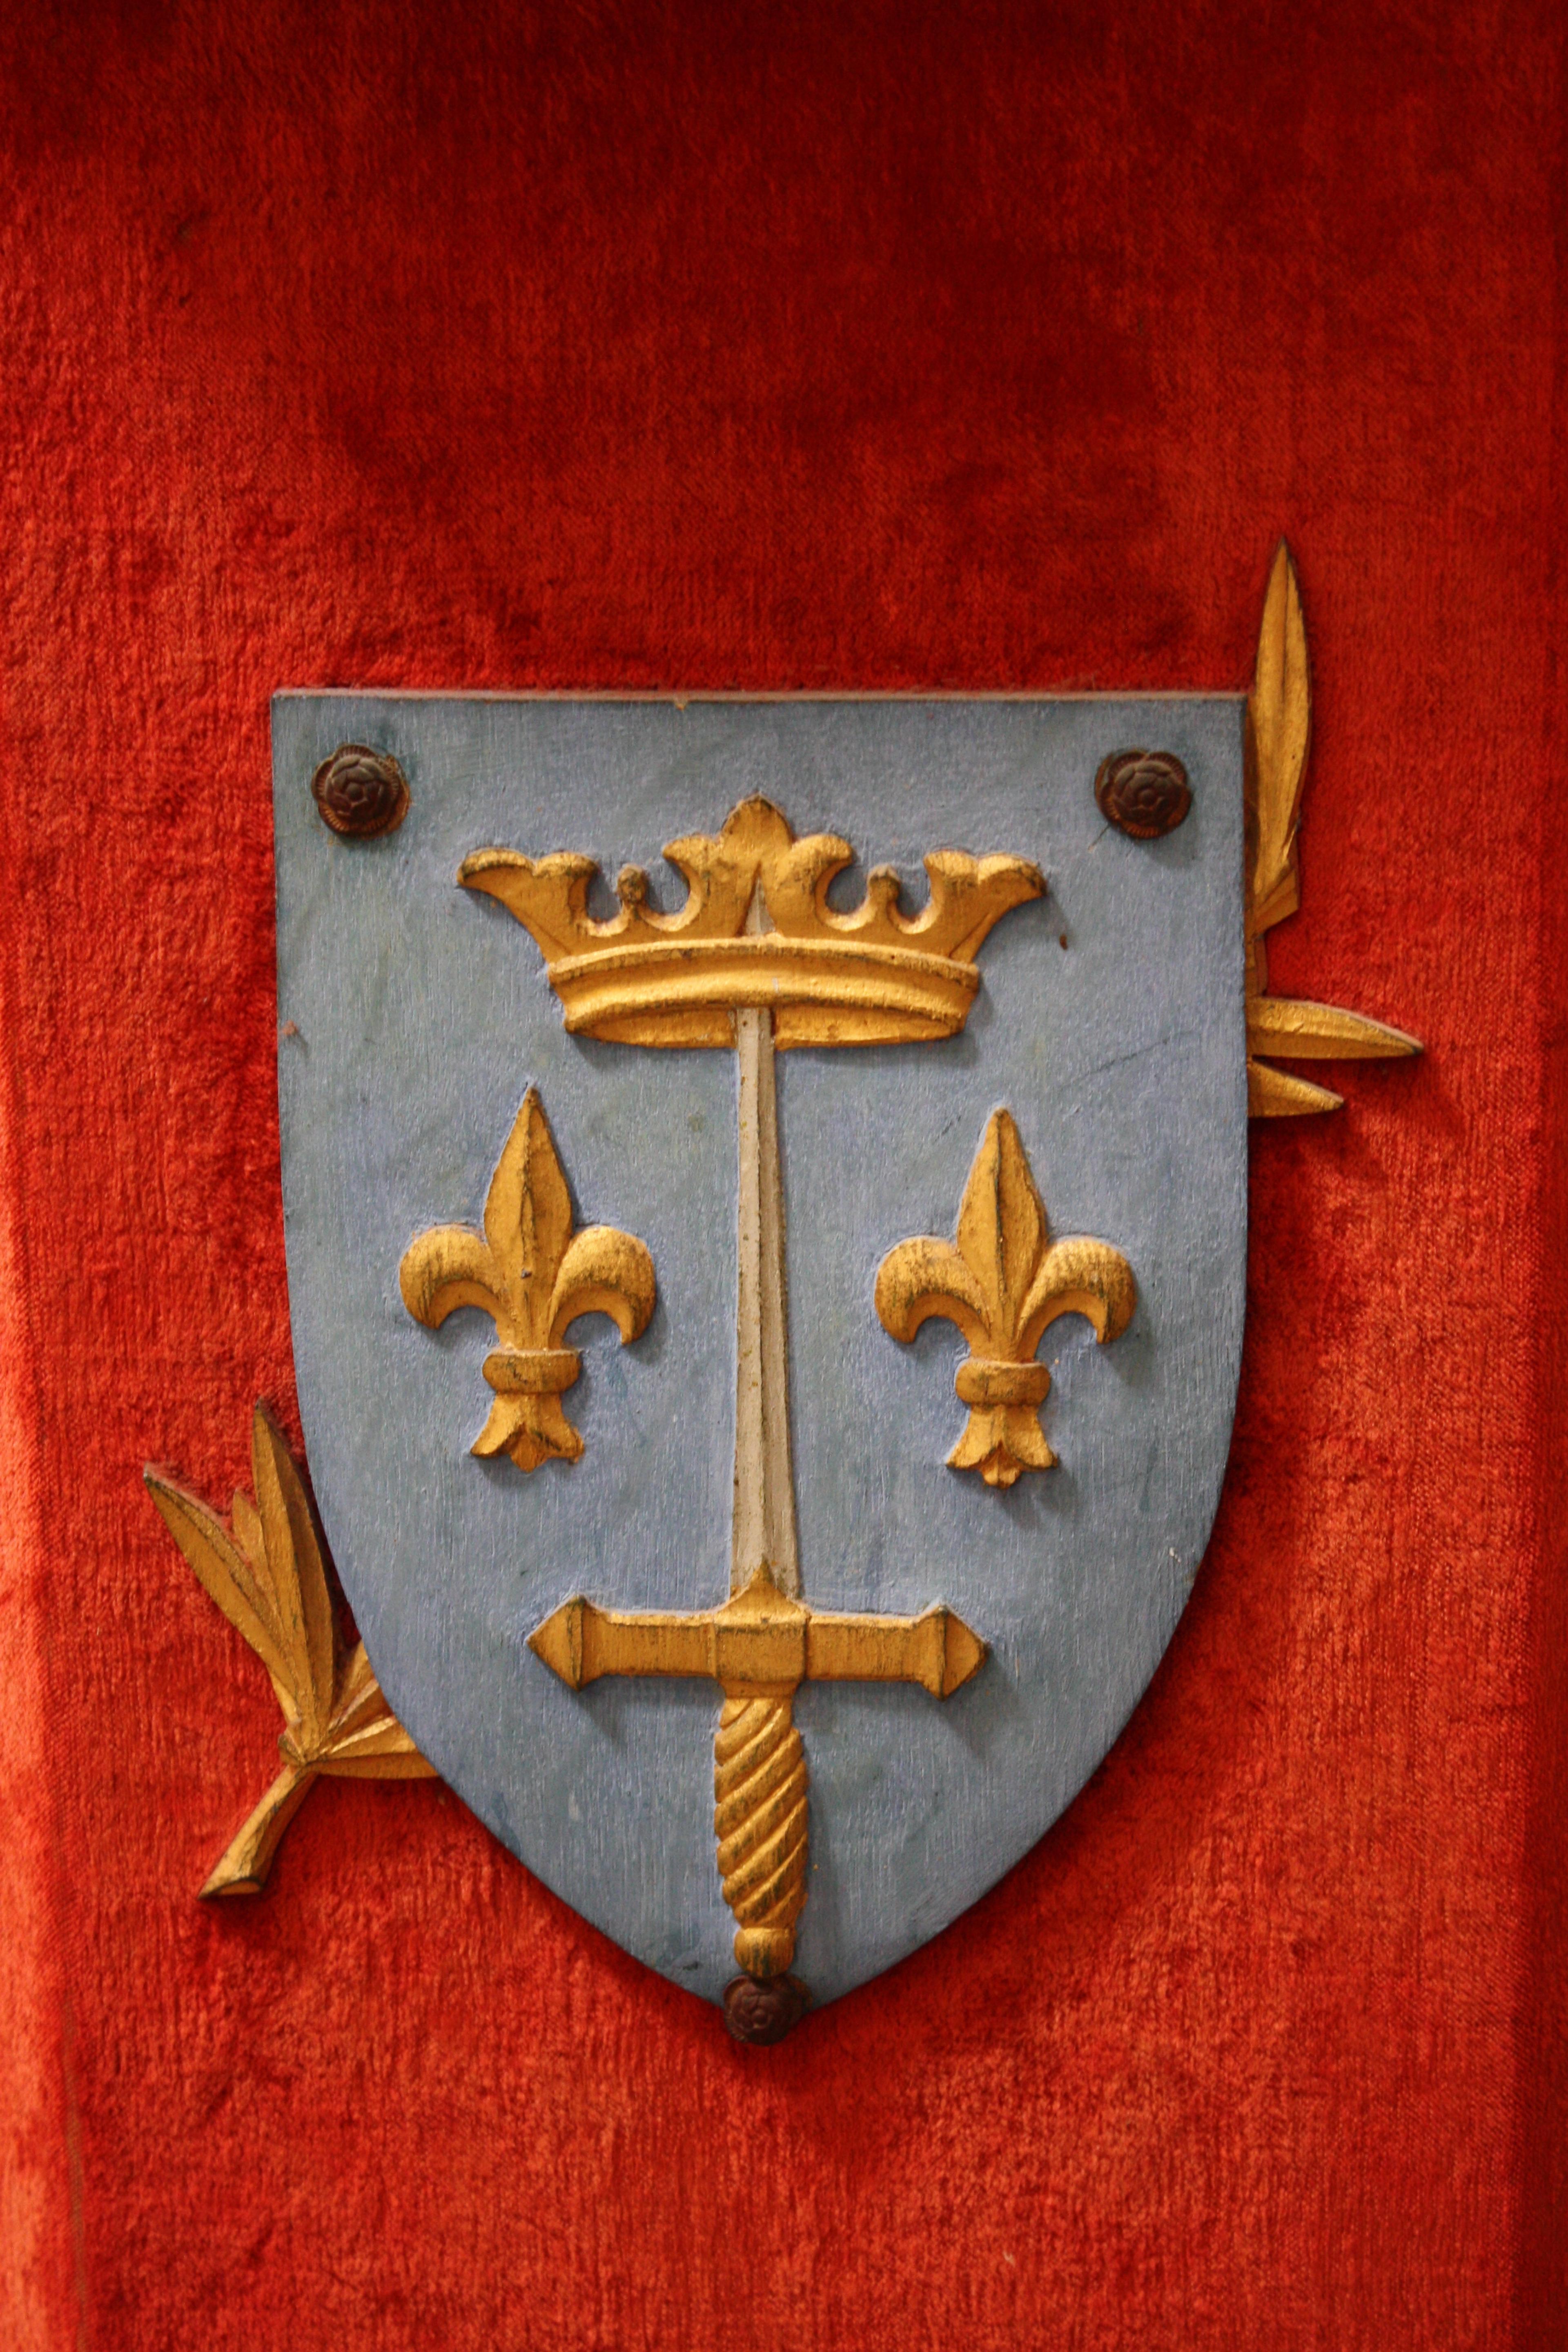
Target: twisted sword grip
{"x":758,"y":1820}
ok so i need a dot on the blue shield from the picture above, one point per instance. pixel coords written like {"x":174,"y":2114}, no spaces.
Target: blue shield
{"x":419,"y":1018}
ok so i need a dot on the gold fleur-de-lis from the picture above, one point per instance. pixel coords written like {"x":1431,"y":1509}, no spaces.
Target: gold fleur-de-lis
{"x":1003,"y":1281}
{"x":532,"y":1275}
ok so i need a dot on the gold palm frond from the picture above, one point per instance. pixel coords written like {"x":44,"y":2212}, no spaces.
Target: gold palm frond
{"x":1278,"y":734}
{"x":266,"y":1573}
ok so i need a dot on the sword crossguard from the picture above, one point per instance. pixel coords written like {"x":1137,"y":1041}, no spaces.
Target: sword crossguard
{"x":761,"y":1644}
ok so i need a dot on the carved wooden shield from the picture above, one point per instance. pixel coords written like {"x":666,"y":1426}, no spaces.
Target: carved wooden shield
{"x":797,"y":1304}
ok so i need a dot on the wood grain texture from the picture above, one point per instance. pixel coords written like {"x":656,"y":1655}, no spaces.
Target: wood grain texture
{"x":697,"y":346}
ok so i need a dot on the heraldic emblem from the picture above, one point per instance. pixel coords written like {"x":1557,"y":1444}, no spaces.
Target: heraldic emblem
{"x":768,"y":1330}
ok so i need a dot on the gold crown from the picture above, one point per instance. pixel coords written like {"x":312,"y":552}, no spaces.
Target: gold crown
{"x":874,"y":976}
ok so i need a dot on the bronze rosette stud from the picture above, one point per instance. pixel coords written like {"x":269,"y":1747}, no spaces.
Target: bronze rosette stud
{"x":760,"y":2012}
{"x":1142,"y":793}
{"x":359,"y":792}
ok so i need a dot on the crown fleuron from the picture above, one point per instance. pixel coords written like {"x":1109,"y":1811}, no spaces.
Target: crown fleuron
{"x":756,"y":929}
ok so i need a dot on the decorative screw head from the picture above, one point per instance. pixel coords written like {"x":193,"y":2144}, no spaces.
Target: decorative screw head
{"x":1142,"y":793}
{"x":762,"y":2013}
{"x":359,"y":792}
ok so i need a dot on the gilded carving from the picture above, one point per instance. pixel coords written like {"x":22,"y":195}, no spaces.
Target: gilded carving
{"x":1278,"y":731}
{"x":873,"y":976}
{"x":761,"y":1640}
{"x":756,"y":960}
{"x":265,"y":1572}
{"x":758,"y":1820}
{"x":759,"y":1648}
{"x":533,"y":1276}
{"x":1003,"y":1281}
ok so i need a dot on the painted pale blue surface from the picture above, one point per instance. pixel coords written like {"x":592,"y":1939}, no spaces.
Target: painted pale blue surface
{"x":423,"y":1014}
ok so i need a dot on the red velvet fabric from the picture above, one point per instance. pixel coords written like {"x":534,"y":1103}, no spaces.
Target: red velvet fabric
{"x":873,"y":346}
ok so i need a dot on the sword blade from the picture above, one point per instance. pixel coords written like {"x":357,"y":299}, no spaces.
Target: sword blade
{"x":763,"y":1525}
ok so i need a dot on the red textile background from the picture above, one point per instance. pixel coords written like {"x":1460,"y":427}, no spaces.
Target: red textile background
{"x":862,"y":345}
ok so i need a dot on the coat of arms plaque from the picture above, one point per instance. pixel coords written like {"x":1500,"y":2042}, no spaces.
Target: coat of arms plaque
{"x":765,"y":1194}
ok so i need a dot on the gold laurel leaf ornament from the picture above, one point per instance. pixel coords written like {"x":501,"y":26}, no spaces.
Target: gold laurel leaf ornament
{"x":1278,"y":736}
{"x":266,"y":1573}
